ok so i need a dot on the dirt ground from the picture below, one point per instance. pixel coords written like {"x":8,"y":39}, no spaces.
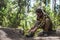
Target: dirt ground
{"x":16,"y":34}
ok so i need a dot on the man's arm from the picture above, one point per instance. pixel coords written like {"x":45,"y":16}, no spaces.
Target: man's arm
{"x":33,"y":29}
{"x":37,"y":25}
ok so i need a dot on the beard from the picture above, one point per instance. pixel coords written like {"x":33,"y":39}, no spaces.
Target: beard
{"x":40,"y":15}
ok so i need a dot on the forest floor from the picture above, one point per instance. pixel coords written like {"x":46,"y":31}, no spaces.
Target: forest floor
{"x":16,"y":34}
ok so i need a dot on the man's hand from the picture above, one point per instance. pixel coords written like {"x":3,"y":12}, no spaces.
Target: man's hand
{"x":33,"y":29}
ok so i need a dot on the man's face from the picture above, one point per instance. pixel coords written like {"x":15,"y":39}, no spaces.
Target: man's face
{"x":39,"y":14}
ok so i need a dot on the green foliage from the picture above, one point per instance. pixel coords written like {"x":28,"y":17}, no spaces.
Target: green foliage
{"x":18,"y":14}
{"x":53,"y":15}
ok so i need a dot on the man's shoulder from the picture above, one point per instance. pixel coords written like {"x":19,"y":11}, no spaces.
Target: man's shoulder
{"x":46,"y":15}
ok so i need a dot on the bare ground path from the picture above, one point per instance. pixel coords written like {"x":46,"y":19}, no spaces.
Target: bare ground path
{"x":14,"y":34}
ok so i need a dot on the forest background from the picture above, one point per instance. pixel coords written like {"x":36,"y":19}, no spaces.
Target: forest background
{"x":21,"y":13}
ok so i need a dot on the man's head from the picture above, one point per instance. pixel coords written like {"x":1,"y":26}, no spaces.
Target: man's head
{"x":39,"y":12}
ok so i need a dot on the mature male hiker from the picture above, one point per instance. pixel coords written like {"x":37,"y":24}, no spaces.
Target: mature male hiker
{"x":43,"y":21}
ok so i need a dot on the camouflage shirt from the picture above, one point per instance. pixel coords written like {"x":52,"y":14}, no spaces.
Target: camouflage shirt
{"x":42,"y":21}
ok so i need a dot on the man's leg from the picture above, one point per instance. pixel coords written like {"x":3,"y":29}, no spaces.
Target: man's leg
{"x":45,"y":32}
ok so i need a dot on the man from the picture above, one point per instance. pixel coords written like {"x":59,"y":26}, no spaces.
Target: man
{"x":43,"y":21}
